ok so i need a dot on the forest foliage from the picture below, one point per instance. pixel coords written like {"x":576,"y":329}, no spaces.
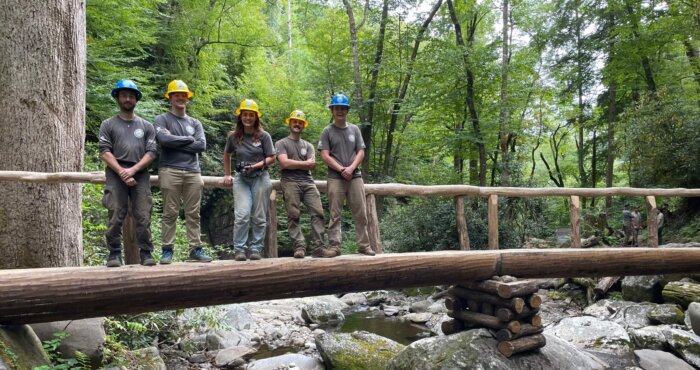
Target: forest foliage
{"x":596,"y":93}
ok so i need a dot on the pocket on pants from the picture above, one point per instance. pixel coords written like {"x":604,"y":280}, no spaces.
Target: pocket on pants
{"x":107,"y":197}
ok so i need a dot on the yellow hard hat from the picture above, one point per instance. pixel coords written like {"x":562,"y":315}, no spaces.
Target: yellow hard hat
{"x":297,"y":114}
{"x":249,"y":104}
{"x":178,"y":86}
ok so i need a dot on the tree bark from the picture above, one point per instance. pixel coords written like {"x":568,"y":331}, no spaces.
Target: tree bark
{"x":43,"y":125}
{"x":503,"y":115}
{"x":367,"y":128}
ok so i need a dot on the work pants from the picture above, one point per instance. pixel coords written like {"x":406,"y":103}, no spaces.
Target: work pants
{"x":295,"y":193}
{"x":180,"y":186}
{"x":354,"y":192}
{"x":117,"y":196}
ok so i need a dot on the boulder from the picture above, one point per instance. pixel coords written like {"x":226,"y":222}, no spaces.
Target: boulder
{"x":435,"y":323}
{"x":420,"y":306}
{"x":642,"y":288}
{"x":607,"y":340}
{"x":630,"y":315}
{"x":352,"y":299}
{"x":148,"y":359}
{"x":649,"y":337}
{"x":238,"y":317}
{"x":693,"y":314}
{"x":418,"y":318}
{"x":322,"y":313}
{"x":234,"y":356}
{"x":659,"y":360}
{"x":476,"y":349}
{"x":438,"y":307}
{"x":667,"y":314}
{"x":288,"y":361}
{"x":20,"y":348}
{"x":685,"y":344}
{"x":358,"y":350}
{"x":86,"y":336}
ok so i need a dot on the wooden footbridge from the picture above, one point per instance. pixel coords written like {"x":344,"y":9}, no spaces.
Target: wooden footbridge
{"x":49,"y":294}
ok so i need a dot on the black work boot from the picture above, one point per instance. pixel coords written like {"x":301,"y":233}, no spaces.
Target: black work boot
{"x":198,"y":255}
{"x":167,"y":256}
{"x":115,"y":259}
{"x":146,"y":258}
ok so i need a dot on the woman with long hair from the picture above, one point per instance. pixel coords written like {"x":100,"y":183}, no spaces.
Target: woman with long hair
{"x":254,"y":152}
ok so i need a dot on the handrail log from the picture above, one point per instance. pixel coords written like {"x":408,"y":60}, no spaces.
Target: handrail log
{"x":50,"y":294}
{"x":390,"y":189}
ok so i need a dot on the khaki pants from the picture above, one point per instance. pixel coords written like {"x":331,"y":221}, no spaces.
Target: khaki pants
{"x":296,"y":193}
{"x":186,"y":187}
{"x":354,"y":191}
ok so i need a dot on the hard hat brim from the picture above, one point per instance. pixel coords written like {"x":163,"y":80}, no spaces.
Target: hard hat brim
{"x":190,"y":94}
{"x":116,"y":90}
{"x":238,"y":111}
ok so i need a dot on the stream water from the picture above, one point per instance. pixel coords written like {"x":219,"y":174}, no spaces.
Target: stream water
{"x":404,"y":332}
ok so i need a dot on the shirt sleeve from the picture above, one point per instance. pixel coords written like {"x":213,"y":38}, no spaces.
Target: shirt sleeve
{"x":267,"y":144}
{"x":169,"y":140}
{"x":323,"y":140}
{"x":105,"y":137}
{"x":200,"y":141}
{"x":280,"y":148}
{"x":151,"y":146}
{"x":229,"y":147}
{"x":310,"y":151}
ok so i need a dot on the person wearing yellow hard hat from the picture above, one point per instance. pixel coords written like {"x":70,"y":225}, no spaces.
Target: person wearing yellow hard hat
{"x":297,"y":158}
{"x":342,"y":149}
{"x":181,"y":139}
{"x":252,"y":149}
{"x":127,"y":145}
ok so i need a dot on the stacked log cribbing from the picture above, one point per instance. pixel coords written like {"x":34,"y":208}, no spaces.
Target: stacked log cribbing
{"x":508,"y":309}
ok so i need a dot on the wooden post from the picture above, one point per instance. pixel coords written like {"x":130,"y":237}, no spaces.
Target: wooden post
{"x":493,"y":221}
{"x":652,"y":223}
{"x":375,"y":239}
{"x":574,"y":212}
{"x":462,"y":232}
{"x":131,"y":250}
{"x":518,"y":288}
{"x":271,"y":229}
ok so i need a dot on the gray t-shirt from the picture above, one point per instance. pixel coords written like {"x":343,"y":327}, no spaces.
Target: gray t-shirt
{"x":343,"y":145}
{"x":247,"y":150}
{"x":128,"y":141}
{"x":180,"y":148}
{"x":298,"y":150}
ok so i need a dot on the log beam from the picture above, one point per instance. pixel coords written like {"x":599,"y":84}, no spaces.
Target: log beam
{"x":51,"y":294}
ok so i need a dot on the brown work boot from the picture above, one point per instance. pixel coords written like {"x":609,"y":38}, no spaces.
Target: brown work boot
{"x":239,"y":256}
{"x":299,"y":252}
{"x":367,"y":251}
{"x":321,"y":252}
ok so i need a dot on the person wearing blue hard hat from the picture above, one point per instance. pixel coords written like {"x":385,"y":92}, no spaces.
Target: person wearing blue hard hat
{"x":342,"y":149}
{"x":127,"y":145}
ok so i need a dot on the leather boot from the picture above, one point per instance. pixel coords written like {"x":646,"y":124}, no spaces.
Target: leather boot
{"x":299,"y":252}
{"x":367,"y":251}
{"x":320,"y":252}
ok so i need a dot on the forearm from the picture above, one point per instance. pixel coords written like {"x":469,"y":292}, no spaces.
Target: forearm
{"x":144,"y":162}
{"x":111,"y":161}
{"x":227,"y":164}
{"x":331,"y":162}
{"x":358,"y":159}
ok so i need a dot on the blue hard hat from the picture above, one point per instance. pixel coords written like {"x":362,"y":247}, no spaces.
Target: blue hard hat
{"x":126,"y":85}
{"x":339,"y":100}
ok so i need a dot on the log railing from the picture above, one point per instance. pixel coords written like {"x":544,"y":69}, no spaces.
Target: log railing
{"x":458,"y":192}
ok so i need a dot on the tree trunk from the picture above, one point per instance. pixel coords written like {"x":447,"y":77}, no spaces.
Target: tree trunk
{"x":406,"y":80}
{"x":43,"y":125}
{"x":367,"y":129}
{"x":503,"y":115}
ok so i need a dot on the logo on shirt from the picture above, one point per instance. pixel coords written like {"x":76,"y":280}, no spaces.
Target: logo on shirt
{"x":351,"y":138}
{"x":302,"y":151}
{"x":138,"y":133}
{"x":257,"y":144}
{"x":190,"y":130}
